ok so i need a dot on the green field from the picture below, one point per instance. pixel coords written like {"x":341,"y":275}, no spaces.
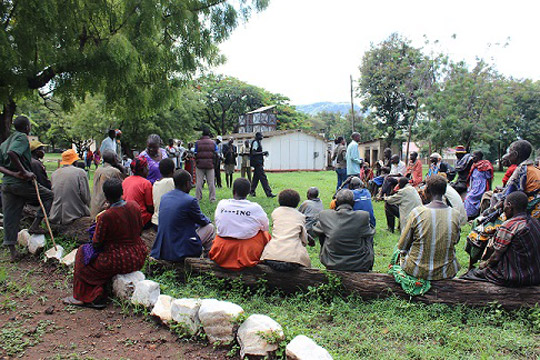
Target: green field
{"x":384,"y":329}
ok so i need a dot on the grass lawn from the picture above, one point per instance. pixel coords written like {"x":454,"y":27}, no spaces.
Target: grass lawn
{"x":384,"y":329}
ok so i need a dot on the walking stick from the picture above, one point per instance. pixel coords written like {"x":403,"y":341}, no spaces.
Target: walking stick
{"x":44,"y":214}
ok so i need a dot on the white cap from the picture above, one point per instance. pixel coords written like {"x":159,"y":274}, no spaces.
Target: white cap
{"x":220,"y":138}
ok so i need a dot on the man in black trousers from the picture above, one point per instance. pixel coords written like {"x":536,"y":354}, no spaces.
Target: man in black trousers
{"x":257,"y":163}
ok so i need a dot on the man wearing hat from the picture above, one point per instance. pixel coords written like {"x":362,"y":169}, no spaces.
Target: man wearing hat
{"x":71,"y":191}
{"x":463,"y":167}
{"x":38,"y":152}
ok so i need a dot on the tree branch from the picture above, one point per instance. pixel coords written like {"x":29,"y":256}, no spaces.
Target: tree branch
{"x":10,"y":16}
{"x":43,"y":78}
{"x":209,"y":5}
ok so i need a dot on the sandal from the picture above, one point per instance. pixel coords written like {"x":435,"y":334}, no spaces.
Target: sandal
{"x":72,"y":301}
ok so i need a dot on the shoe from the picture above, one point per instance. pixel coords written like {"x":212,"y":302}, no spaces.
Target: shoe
{"x":272,"y":195}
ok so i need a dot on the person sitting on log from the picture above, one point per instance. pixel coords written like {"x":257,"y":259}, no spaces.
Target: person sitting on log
{"x":38,"y":153}
{"x":513,"y":256}
{"x":242,"y":230}
{"x":427,"y":242}
{"x":71,"y":191}
{"x":163,"y":185}
{"x":137,"y":188}
{"x":111,"y":169}
{"x":311,"y":208}
{"x":183,"y":230}
{"x":401,"y":204}
{"x":346,"y":236}
{"x":287,"y":249}
{"x":116,"y":248}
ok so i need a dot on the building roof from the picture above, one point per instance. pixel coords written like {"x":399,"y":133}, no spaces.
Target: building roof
{"x":269,"y":134}
{"x":262,"y":109}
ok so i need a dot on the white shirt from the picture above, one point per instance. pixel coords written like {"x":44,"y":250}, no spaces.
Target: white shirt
{"x":240,"y":219}
{"x":398,"y":168}
{"x":455,"y":201}
{"x":160,"y":188}
{"x":108,"y":144}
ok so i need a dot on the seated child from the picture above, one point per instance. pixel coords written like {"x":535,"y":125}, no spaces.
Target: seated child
{"x":311,"y":207}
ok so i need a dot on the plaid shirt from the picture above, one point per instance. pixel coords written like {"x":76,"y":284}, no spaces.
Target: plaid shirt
{"x":517,"y":252}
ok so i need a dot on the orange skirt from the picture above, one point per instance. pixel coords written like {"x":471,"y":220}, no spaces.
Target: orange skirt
{"x":236,"y":254}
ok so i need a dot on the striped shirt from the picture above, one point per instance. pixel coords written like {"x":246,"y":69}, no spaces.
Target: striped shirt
{"x":428,"y":242}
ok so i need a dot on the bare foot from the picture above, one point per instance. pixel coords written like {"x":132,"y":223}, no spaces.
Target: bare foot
{"x":70,"y":300}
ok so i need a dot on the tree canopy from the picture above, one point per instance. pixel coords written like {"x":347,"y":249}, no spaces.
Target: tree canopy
{"x":134,"y":52}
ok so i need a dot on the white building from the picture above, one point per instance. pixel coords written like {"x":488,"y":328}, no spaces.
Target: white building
{"x":289,"y":150}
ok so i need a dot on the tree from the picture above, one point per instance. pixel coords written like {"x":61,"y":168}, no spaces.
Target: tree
{"x":135,"y":52}
{"x":394,"y":76}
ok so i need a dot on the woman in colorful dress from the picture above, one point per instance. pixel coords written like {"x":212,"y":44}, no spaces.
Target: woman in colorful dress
{"x":116,"y":248}
{"x":479,"y":181}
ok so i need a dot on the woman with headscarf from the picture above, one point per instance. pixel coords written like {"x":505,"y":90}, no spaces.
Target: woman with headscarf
{"x":116,"y":248}
{"x":153,"y":154}
{"x":478,"y":182}
{"x":138,"y":189}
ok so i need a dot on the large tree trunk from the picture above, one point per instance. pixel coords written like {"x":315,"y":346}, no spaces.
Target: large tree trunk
{"x":6,"y":119}
{"x":372,"y":285}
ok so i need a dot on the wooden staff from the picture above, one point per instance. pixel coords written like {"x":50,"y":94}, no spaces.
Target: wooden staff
{"x":44,"y":213}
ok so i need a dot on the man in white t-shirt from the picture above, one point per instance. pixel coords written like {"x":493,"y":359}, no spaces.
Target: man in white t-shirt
{"x":162,"y":186}
{"x":242,"y":230}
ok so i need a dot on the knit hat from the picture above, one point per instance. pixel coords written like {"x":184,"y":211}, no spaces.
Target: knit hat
{"x":69,"y":157}
{"x":460,"y":149}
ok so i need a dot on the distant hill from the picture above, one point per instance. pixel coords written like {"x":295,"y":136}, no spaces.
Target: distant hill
{"x":335,"y":107}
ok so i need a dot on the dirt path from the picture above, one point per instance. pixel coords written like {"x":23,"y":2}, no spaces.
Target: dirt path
{"x":34,"y":324}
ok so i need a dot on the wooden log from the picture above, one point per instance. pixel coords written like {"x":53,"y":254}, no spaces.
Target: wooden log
{"x":374,"y":285}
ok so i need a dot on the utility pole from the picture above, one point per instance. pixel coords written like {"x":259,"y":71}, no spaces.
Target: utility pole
{"x":352,"y":105}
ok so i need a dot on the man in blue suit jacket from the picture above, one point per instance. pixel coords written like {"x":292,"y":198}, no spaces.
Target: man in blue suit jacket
{"x":183,"y":230}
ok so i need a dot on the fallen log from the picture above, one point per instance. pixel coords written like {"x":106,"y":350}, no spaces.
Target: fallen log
{"x":373,"y":285}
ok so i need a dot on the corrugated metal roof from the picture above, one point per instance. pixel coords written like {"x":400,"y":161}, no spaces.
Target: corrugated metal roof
{"x":268,"y":134}
{"x":262,"y":109}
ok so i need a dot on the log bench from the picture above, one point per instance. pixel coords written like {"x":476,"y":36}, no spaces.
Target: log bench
{"x":371,"y":285}
{"x":368,"y":286}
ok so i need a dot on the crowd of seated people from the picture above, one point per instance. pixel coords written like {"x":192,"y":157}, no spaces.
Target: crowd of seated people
{"x":431,"y":212}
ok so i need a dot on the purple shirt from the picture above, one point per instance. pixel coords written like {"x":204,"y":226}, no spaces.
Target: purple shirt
{"x":153,"y":166}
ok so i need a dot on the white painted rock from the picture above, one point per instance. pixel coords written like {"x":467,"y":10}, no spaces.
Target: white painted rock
{"x":69,"y":259}
{"x":53,"y":253}
{"x":162,"y":308}
{"x":251,"y":332}
{"x":23,"y":238}
{"x":123,"y":285}
{"x":35,"y":243}
{"x":146,"y":293}
{"x":303,"y":348}
{"x":217,"y":319}
{"x":186,"y":312}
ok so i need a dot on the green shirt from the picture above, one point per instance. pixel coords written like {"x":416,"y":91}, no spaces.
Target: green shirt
{"x":18,"y":143}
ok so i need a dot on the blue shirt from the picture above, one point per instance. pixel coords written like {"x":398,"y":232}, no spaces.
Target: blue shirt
{"x":179,"y":218}
{"x":362,"y":201}
{"x":353,"y":159}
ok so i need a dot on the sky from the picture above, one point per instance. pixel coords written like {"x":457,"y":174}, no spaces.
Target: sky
{"x":307,"y":49}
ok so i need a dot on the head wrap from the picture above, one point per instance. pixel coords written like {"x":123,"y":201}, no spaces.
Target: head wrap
{"x":460,"y":149}
{"x":138,"y":164}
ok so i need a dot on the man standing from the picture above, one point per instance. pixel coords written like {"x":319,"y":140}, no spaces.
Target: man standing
{"x":257,"y":163}
{"x":205,"y":151}
{"x":463,"y":168}
{"x":183,"y":230}
{"x":111,"y":169}
{"x":339,"y":156}
{"x":229,"y":153}
{"x":218,"y":157}
{"x":37,"y":166}
{"x":118,"y":133}
{"x":245,"y":168}
{"x":353,"y":156}
{"x":17,"y":186}
{"x":71,"y":191}
{"x":109,"y":143}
